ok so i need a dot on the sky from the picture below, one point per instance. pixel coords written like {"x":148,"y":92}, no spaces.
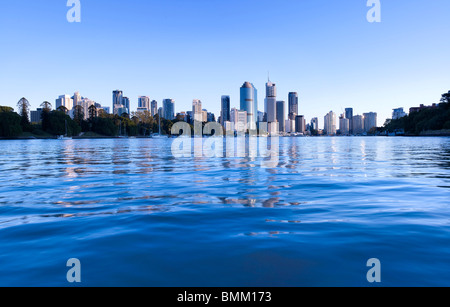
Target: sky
{"x":326,"y":51}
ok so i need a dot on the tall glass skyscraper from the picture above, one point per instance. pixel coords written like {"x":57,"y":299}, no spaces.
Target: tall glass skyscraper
{"x":117,"y":100}
{"x":225,"y":109}
{"x":349,"y":116}
{"x":293,"y":105}
{"x":249,"y":103}
{"x":270,"y":105}
{"x":281,"y":111}
{"x":144,"y":103}
{"x":168,"y":109}
{"x":154,"y":108}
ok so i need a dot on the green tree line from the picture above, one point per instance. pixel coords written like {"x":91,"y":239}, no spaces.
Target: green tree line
{"x":58,"y":122}
{"x":428,"y":119}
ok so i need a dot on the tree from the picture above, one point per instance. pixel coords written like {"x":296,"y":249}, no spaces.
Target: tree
{"x":78,"y":114}
{"x":24,"y":109}
{"x":63,"y":109}
{"x":445,"y":98}
{"x":10,"y":122}
{"x":92,"y":112}
{"x":46,"y":106}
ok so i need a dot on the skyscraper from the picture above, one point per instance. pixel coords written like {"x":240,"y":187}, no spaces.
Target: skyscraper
{"x":281,"y":115}
{"x":238,"y":119}
{"x":370,"y":121}
{"x":76,"y":98}
{"x":300,"y":124}
{"x":168,"y":109}
{"x":144,"y":103}
{"x":64,"y":101}
{"x":249,"y":103}
{"x":349,"y":116}
{"x":293,"y":105}
{"x":315,"y":124}
{"x":197,"y":112}
{"x":344,"y":125}
{"x":126,"y":103}
{"x":330,"y":123}
{"x":154,"y":108}
{"x":225,"y":109}
{"x":117,"y":100}
{"x":358,"y":124}
{"x":271,"y":102}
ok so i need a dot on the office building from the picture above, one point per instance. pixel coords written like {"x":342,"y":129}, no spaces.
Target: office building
{"x":117,"y":100}
{"x":36,"y":116}
{"x":270,"y":102}
{"x":358,"y":124}
{"x":154,"y":108}
{"x":143,"y":103}
{"x":281,"y":117}
{"x":315,"y":124}
{"x":398,"y":113}
{"x":344,"y":125}
{"x":126,"y":104}
{"x":225,"y":109}
{"x":293,"y":105}
{"x":239,"y":119}
{"x":300,"y":124}
{"x":249,"y":103}
{"x":168,"y":109}
{"x":330,"y":123}
{"x":64,"y":101}
{"x":370,"y":121}
{"x":197,"y":112}
{"x":349,"y":116}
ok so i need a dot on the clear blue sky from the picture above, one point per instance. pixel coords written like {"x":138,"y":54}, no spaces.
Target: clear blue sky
{"x":202,"y":49}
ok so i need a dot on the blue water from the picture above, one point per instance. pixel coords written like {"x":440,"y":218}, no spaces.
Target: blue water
{"x":136,"y":216}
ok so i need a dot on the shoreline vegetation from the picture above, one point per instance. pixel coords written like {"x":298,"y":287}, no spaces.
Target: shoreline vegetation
{"x":54,"y":124}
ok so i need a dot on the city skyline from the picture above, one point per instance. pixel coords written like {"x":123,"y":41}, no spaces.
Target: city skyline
{"x":334,"y":59}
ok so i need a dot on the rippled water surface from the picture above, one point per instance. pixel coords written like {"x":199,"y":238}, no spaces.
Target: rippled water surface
{"x":136,"y":216}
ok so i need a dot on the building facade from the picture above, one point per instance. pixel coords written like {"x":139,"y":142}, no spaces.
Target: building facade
{"x":249,"y":103}
{"x":168,"y":109}
{"x":281,"y":117}
{"x":370,"y":121}
{"x":225,"y":109}
{"x":293,"y":105}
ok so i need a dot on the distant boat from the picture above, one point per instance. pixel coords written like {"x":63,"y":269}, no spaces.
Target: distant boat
{"x":64,"y":137}
{"x":159,"y":135}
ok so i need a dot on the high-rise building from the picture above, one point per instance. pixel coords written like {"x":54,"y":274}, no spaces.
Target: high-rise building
{"x":281,"y":117}
{"x":76,"y":98}
{"x":225,"y":110}
{"x":144,"y":103}
{"x":168,"y":109}
{"x":344,"y":125}
{"x":154,"y":108}
{"x":370,"y":121}
{"x":126,"y":104}
{"x":349,"y":116}
{"x":64,"y":101}
{"x":36,"y":116}
{"x":315,"y":124}
{"x":197,"y":111}
{"x":117,"y":100}
{"x":270,"y":103}
{"x":293,"y":105}
{"x":161,"y":112}
{"x":358,"y":124}
{"x":300,"y":124}
{"x":398,"y":113}
{"x":330,"y":123}
{"x":249,"y":103}
{"x":239,"y":119}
